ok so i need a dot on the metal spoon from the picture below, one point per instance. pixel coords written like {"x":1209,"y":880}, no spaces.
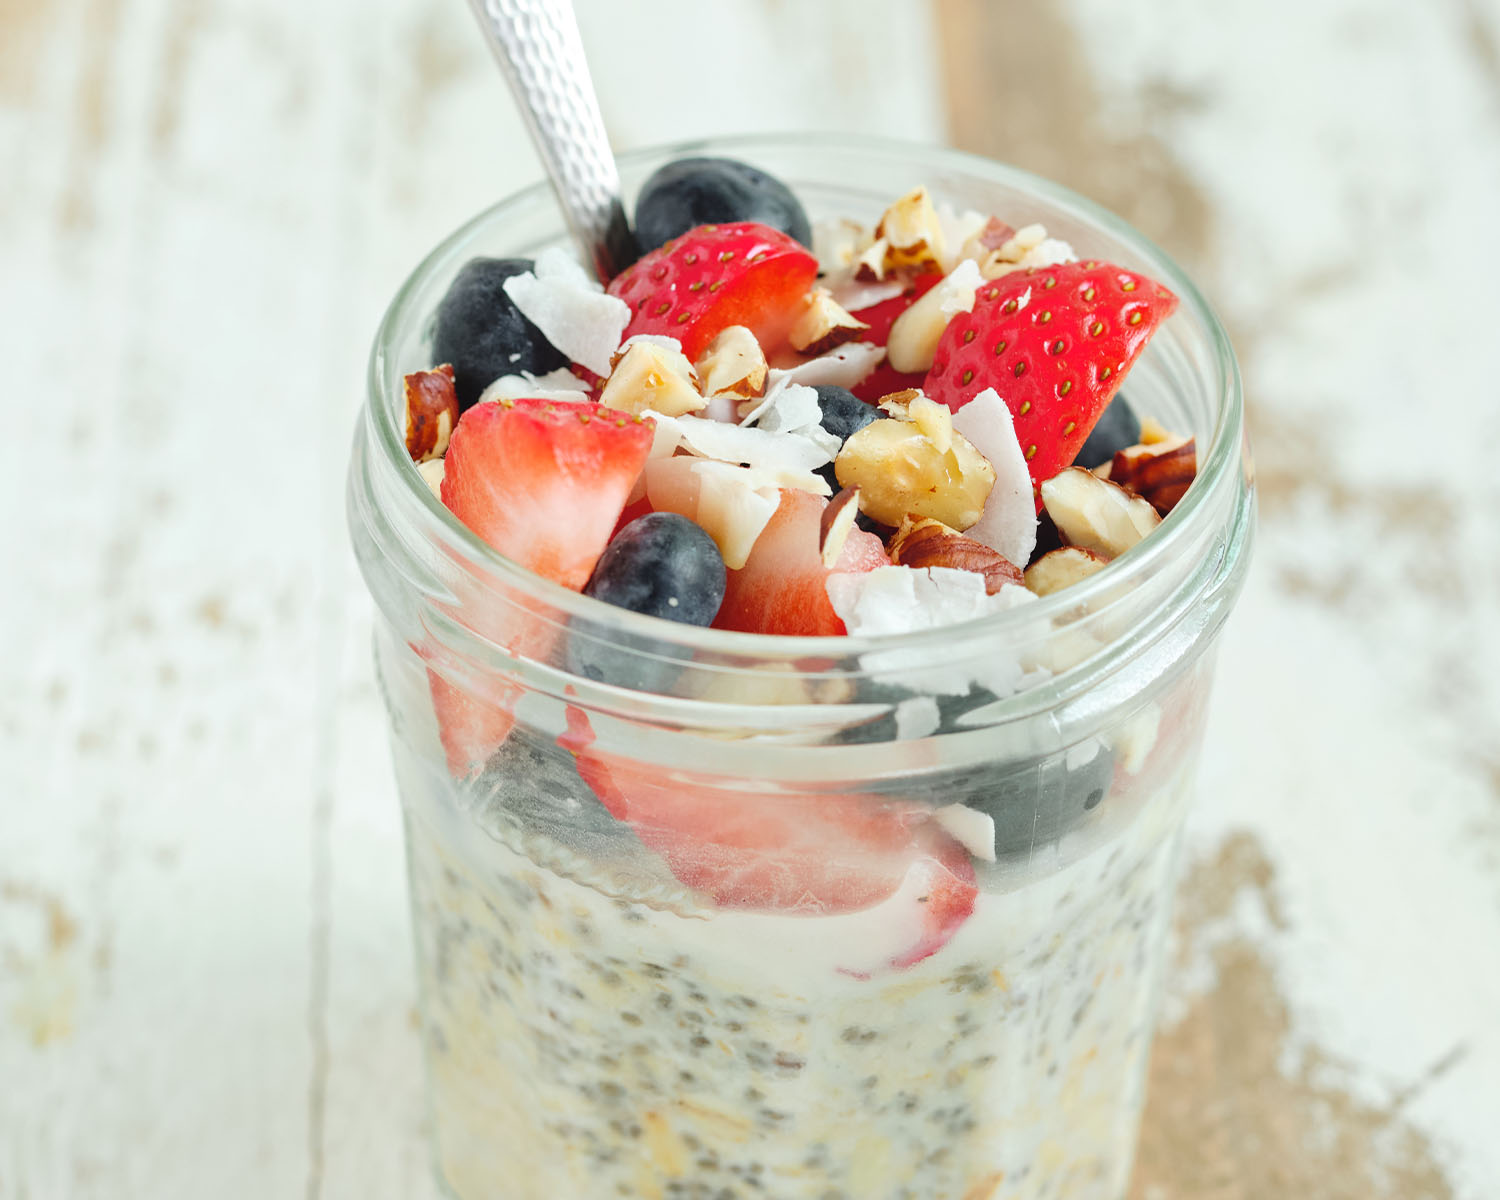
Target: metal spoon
{"x":537,"y":45}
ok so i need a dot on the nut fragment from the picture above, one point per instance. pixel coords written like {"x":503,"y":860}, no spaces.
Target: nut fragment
{"x":837,"y":521}
{"x":734,"y":364}
{"x":1095,"y":513}
{"x":823,"y":324}
{"x":916,"y":332}
{"x":432,"y":472}
{"x":1029,"y":246}
{"x":431,"y":412}
{"x":913,"y":233}
{"x":929,"y":543}
{"x":869,"y":264}
{"x":1062,"y":568}
{"x":837,"y":242}
{"x":897,"y":404}
{"x":933,"y":419}
{"x":1161,"y":472}
{"x":900,"y":470}
{"x":1152,"y":431}
{"x":650,"y":376}
{"x":993,"y":234}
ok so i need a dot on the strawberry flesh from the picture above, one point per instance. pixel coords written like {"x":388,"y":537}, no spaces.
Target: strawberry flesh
{"x":715,"y":276}
{"x":782,"y":589}
{"x":1055,"y":343}
{"x":544,"y":483}
{"x":885,"y":379}
{"x":802,"y":853}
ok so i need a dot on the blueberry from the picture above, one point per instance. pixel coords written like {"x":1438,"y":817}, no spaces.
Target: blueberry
{"x":481,"y":332}
{"x":661,"y":565}
{"x":1033,"y":801}
{"x":843,"y":414}
{"x":530,"y":780}
{"x":699,"y":191}
{"x":1118,"y":427}
{"x":1047,"y":536}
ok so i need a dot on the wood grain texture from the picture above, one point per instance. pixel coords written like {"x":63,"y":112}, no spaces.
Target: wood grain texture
{"x":205,"y":975}
{"x":1315,"y":1045}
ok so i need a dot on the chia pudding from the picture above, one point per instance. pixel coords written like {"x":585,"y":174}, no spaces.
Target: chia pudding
{"x":797,"y":649}
{"x":583,"y":1044}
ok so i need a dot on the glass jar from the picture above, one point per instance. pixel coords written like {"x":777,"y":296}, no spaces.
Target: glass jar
{"x":603,"y":1014}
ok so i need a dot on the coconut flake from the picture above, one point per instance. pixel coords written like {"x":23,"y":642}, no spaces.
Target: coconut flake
{"x":916,"y":717}
{"x":958,"y":228}
{"x":655,"y":339}
{"x":746,"y":445}
{"x":847,"y":366}
{"x":956,"y":292}
{"x":573,"y":312}
{"x":852,"y":293}
{"x":973,"y":829}
{"x":793,"y":408}
{"x":1134,"y":738}
{"x":732,"y":509}
{"x":891,"y":600}
{"x":560,"y":384}
{"x":1008,"y":523}
{"x":905,"y":599}
{"x":836,"y":242}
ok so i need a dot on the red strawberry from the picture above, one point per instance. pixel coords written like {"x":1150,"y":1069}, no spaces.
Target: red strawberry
{"x":543,"y":482}
{"x":885,"y":379}
{"x":809,"y":853}
{"x":715,"y":276}
{"x":1054,"y":342}
{"x":780,"y":589}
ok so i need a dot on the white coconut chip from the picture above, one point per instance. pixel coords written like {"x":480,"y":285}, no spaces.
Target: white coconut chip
{"x":916,"y":717}
{"x":1008,"y":523}
{"x":572,"y":310}
{"x":782,"y":452}
{"x":793,"y":408}
{"x":732,"y":509}
{"x":560,"y":384}
{"x":973,"y":829}
{"x":891,"y":600}
{"x":836,"y":242}
{"x":847,"y":366}
{"x":958,"y":228}
{"x":655,"y":339}
{"x":853,"y":294}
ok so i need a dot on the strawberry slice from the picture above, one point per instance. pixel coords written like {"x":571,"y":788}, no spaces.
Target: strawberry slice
{"x":544,"y":483}
{"x":714,"y":276}
{"x":885,"y":379}
{"x":782,"y":586}
{"x":1055,"y":343}
{"x":796,"y":853}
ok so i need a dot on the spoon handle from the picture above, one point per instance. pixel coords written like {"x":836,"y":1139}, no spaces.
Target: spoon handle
{"x":537,"y":45}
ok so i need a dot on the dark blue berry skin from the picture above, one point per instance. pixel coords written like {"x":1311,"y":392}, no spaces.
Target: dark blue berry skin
{"x":1036,"y":801}
{"x":478,"y":329}
{"x":652,"y":561}
{"x":661,"y":565}
{"x":702,"y":191}
{"x":1117,"y":427}
{"x":531,"y":780}
{"x":843,"y":414}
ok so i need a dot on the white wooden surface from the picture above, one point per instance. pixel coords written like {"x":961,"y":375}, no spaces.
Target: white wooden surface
{"x":205,"y":975}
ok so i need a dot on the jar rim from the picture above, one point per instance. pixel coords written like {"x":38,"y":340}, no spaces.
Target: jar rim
{"x":1217,"y":469}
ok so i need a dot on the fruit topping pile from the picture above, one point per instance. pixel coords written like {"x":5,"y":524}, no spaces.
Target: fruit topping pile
{"x":775,"y":427}
{"x":759,"y":409}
